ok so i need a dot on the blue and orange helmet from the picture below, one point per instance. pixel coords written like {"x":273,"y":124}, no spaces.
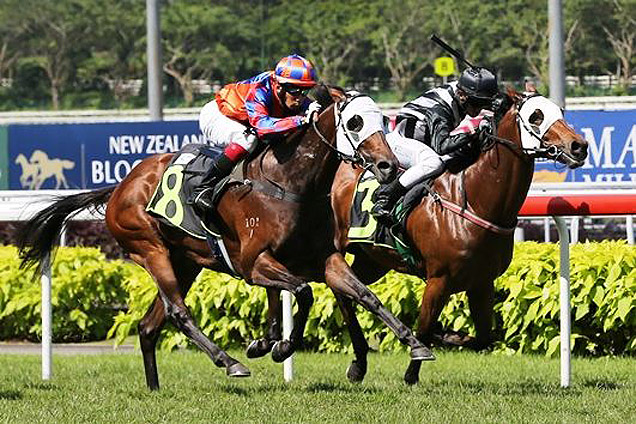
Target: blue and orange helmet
{"x":295,"y":70}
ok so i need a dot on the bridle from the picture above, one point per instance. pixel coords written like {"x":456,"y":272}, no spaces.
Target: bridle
{"x":356,"y":158}
{"x":525,"y":153}
{"x":549,"y":152}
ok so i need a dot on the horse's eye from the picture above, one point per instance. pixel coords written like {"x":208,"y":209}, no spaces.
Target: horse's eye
{"x":537,"y":117}
{"x":355,"y":123}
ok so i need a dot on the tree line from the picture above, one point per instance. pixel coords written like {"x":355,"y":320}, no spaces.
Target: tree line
{"x":83,"y":53}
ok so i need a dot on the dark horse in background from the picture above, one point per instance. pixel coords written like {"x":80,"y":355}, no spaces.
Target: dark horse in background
{"x":292,"y":244}
{"x":467,"y":249}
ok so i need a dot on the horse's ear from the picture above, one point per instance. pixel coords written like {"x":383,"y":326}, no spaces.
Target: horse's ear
{"x":326,"y":95}
{"x":513,"y":94}
{"x":530,"y":87}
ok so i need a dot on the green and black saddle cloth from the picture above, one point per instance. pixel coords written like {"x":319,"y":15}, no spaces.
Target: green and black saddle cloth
{"x":365,"y":228}
{"x":171,"y":202}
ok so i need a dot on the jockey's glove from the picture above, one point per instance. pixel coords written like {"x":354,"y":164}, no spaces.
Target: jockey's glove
{"x":485,"y":126}
{"x":484,"y":130}
{"x":312,"y":112}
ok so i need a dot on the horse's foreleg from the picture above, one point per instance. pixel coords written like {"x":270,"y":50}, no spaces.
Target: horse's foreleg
{"x":160,"y":267}
{"x":358,"y":367}
{"x":149,"y":329}
{"x":270,"y":273}
{"x":368,"y":272}
{"x":481,"y":301}
{"x":262,"y":347}
{"x":341,"y":279}
{"x":433,"y":301}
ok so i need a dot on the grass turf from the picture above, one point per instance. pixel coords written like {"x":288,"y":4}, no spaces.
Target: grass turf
{"x":458,"y":387}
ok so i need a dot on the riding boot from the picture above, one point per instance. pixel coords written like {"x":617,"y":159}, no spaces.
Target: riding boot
{"x":202,"y":195}
{"x":385,"y":198}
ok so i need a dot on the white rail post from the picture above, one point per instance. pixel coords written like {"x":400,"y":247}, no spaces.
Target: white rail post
{"x":519,"y":234}
{"x":574,"y":229}
{"x":288,"y":325}
{"x":629,"y":225}
{"x":46,"y":319}
{"x":564,"y":298}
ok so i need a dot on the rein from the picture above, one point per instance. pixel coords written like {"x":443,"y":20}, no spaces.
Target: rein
{"x":356,"y":158}
{"x":275,"y":190}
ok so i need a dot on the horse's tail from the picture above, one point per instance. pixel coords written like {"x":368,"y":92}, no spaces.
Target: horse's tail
{"x":40,"y":235}
{"x":67,"y":164}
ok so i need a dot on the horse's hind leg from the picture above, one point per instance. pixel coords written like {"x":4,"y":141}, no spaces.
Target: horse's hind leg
{"x":159,"y":266}
{"x":262,"y":347}
{"x":368,"y":272}
{"x":149,"y":329}
{"x":150,"y":326}
{"x":481,"y":301}
{"x":433,"y":301}
{"x":358,"y":367}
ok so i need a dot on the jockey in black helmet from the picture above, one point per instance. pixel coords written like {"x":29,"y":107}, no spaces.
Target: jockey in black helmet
{"x":421,"y":139}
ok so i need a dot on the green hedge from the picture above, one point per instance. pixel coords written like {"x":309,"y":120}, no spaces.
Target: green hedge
{"x":86,"y":294}
{"x":88,"y":290}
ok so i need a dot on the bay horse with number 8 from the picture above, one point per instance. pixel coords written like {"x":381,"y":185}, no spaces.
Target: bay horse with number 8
{"x":292,"y":244}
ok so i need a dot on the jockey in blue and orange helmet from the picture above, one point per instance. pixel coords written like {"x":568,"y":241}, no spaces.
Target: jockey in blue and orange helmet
{"x":272,"y":102}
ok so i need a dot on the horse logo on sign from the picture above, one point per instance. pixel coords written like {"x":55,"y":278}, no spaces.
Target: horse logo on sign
{"x":40,"y":168}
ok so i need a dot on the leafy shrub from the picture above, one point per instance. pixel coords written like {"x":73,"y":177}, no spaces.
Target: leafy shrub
{"x":603,"y":295}
{"x":87,"y":288}
{"x":603,"y":298}
{"x":87,"y":292}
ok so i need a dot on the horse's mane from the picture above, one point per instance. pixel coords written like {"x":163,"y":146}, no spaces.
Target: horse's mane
{"x":327,"y":94}
{"x":510,"y":97}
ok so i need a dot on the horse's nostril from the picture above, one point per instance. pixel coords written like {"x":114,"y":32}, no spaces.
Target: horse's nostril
{"x":578,"y":149}
{"x":387,"y":169}
{"x":384,"y":165}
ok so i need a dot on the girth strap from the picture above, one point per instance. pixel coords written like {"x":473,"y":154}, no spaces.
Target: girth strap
{"x":272,"y":190}
{"x":266,"y":187}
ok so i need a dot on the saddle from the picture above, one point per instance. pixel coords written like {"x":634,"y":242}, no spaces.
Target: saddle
{"x":171,"y":202}
{"x":365,"y":229}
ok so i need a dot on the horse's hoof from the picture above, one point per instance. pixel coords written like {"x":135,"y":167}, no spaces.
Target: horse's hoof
{"x":412,"y":374}
{"x":259,"y":348}
{"x":356,"y":372}
{"x":237,"y":370}
{"x":282,"y":350}
{"x":422,"y":353}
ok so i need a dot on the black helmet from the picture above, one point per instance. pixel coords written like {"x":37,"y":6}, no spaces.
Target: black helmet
{"x":478,"y":83}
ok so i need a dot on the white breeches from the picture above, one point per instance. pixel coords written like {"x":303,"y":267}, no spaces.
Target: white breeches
{"x":419,"y":160}
{"x":220,"y":130}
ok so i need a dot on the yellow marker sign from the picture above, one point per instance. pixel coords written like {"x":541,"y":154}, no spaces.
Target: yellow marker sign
{"x":444,"y":66}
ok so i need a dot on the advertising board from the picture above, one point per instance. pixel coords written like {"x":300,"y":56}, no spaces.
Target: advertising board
{"x":60,"y":156}
{"x":78,"y":156}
